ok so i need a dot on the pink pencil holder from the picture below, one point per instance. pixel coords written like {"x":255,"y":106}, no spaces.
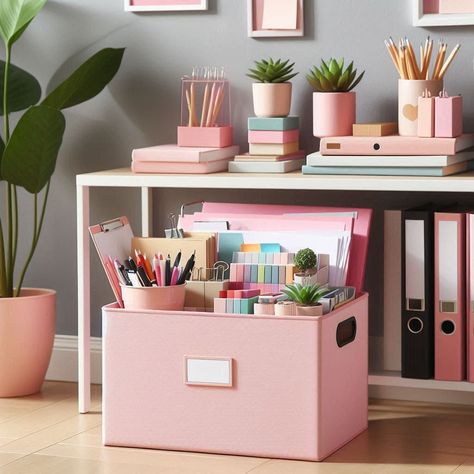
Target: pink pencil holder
{"x":448,"y":116}
{"x":154,"y":297}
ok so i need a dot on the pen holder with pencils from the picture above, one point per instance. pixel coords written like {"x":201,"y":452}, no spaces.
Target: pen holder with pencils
{"x":409,"y":90}
{"x":205,"y":113}
{"x":154,"y":297}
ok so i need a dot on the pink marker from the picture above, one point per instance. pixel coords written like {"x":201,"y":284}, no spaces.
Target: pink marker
{"x":156,"y":266}
{"x":174,"y":276}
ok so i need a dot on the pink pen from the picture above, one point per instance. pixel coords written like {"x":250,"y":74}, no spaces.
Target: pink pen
{"x":156,"y":266}
{"x":174,"y":276}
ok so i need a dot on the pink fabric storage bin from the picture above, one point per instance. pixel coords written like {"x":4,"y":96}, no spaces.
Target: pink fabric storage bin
{"x":297,"y":386}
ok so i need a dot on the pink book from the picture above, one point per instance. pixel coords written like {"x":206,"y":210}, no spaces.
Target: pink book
{"x":273,"y":136}
{"x":174,"y":153}
{"x":179,"y":168}
{"x":395,"y":145}
{"x":450,"y":313}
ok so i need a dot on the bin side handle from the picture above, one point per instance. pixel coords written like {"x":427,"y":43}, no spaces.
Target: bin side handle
{"x":346,"y":331}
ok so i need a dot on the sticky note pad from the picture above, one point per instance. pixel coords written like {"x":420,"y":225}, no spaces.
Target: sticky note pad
{"x":280,"y":14}
{"x":268,"y":274}
{"x":250,"y":247}
{"x":261,"y":274}
{"x":273,"y":123}
{"x":282,"y":277}
{"x":247,"y":268}
{"x":270,"y":248}
{"x":275,"y":274}
{"x":254,"y":273}
{"x":237,"y":303}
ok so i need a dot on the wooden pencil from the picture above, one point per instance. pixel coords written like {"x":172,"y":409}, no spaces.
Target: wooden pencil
{"x":455,"y":50}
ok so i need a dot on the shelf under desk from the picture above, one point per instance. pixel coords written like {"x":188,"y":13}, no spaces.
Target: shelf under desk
{"x":123,"y":177}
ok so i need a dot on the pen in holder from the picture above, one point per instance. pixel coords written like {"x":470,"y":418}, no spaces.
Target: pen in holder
{"x":205,"y":109}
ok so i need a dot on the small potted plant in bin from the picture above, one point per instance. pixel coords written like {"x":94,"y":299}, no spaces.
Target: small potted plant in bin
{"x":28,"y":153}
{"x":306,"y":298}
{"x":334,"y":102}
{"x":272,"y":91}
{"x":306,"y":261}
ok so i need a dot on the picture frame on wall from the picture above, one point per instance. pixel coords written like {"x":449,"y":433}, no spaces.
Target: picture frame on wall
{"x":164,"y":5}
{"x":275,"y":18}
{"x":443,"y":12}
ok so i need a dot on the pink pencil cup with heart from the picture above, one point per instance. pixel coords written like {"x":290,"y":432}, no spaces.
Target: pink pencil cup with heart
{"x":408,"y":92}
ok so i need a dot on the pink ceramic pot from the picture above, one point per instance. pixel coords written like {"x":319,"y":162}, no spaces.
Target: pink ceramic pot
{"x":27,"y":327}
{"x":285,"y":308}
{"x":316,"y":310}
{"x":154,"y":297}
{"x":271,"y":100}
{"x":334,"y":113}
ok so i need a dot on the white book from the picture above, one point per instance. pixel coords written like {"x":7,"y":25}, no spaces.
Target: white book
{"x":265,"y":166}
{"x":429,"y":161}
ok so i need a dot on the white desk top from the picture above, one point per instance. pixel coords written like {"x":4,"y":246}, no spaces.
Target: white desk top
{"x":123,"y":177}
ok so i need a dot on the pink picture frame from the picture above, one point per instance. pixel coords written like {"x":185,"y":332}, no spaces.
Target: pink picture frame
{"x":164,"y":5}
{"x":428,"y":13}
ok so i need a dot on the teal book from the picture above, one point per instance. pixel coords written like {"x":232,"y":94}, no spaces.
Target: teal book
{"x":273,"y":123}
{"x":436,"y":171}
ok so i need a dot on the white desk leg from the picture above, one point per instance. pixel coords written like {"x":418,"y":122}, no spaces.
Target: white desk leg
{"x":147,"y":212}
{"x":83,"y":299}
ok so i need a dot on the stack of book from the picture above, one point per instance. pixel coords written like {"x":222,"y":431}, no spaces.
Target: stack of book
{"x":176,"y":159}
{"x":273,"y":147}
{"x":392,"y":155}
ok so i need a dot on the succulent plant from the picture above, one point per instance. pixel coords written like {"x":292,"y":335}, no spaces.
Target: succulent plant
{"x":305,"y":259}
{"x":304,"y":295}
{"x":272,"y":71}
{"x":332,"y":77}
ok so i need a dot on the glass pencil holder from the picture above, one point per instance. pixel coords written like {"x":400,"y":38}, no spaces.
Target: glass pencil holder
{"x":205,"y":113}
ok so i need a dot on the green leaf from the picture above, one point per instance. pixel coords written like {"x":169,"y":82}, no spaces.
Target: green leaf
{"x":30,"y":155}
{"x":23,"y":88}
{"x":15,"y":16}
{"x":87,"y":80}
{"x":334,"y":67}
{"x":356,"y":81}
{"x":2,"y":148}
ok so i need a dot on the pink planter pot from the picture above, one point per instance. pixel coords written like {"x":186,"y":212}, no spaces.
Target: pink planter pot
{"x":271,"y":100}
{"x":334,"y":113}
{"x":316,"y":310}
{"x":285,"y":308}
{"x":27,"y":327}
{"x":154,"y":297}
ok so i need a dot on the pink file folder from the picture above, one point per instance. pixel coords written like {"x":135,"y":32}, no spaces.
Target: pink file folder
{"x":470,"y":296}
{"x":361,"y":228}
{"x":450,"y":296}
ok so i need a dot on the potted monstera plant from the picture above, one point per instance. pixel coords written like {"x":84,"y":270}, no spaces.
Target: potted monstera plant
{"x":28,"y":153}
{"x":334,"y":101}
{"x":272,"y":91}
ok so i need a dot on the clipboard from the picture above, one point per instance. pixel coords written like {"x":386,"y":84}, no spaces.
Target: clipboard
{"x":112,"y":239}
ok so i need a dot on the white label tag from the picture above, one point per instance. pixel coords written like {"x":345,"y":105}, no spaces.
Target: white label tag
{"x":208,"y":371}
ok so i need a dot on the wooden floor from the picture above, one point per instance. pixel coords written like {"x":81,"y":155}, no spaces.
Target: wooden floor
{"x":43,"y":434}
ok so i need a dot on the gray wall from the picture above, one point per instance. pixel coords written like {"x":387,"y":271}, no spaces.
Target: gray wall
{"x":141,"y":106}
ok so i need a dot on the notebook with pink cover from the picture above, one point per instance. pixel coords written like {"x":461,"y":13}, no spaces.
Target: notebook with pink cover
{"x":174,"y":153}
{"x":179,"y":168}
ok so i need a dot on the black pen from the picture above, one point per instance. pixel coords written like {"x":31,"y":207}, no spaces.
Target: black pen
{"x":168,"y":271}
{"x":177,"y":259}
{"x":189,"y":266}
{"x":145,"y":281}
{"x":132,"y":263}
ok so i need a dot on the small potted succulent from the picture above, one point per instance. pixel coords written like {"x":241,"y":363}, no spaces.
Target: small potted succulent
{"x":334,"y":102}
{"x":272,"y":91}
{"x":306,"y":298}
{"x":306,"y":262}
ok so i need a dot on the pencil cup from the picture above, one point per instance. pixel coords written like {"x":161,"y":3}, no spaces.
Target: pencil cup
{"x":154,"y":297}
{"x":205,"y":113}
{"x":408,"y":92}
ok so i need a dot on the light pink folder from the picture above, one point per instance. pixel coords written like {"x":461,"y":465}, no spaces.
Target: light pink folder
{"x":450,"y":316}
{"x":179,"y":168}
{"x":470,"y":296}
{"x":361,"y":229}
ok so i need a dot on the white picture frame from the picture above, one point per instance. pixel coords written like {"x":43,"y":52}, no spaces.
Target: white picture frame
{"x":439,"y":19}
{"x":174,"y":5}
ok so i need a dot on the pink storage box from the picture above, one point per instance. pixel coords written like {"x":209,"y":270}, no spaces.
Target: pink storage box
{"x":213,"y":137}
{"x":281,"y":387}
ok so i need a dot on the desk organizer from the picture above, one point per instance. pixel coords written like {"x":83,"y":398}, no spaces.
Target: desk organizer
{"x":281,"y":387}
{"x":205,"y":113}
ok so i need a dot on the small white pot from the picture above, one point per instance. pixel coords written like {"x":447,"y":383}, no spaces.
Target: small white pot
{"x":271,"y":100}
{"x":306,"y":279}
{"x":285,"y":308}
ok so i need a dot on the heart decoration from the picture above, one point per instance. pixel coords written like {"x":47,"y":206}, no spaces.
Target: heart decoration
{"x":410,"y":112}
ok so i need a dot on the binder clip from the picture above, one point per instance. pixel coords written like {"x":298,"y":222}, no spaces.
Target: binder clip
{"x":173,"y":232}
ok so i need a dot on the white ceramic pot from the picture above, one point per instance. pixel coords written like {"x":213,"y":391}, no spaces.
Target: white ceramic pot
{"x":315,"y":310}
{"x":408,"y":92}
{"x":271,"y":100}
{"x":306,"y":279}
{"x":334,"y":113}
{"x":27,"y":327}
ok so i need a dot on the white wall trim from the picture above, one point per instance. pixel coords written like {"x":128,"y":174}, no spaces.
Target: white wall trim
{"x":63,"y":365}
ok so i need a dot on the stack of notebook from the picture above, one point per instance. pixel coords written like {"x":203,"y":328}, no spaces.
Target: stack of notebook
{"x":175,"y":159}
{"x":273,"y":147}
{"x":392,"y":156}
